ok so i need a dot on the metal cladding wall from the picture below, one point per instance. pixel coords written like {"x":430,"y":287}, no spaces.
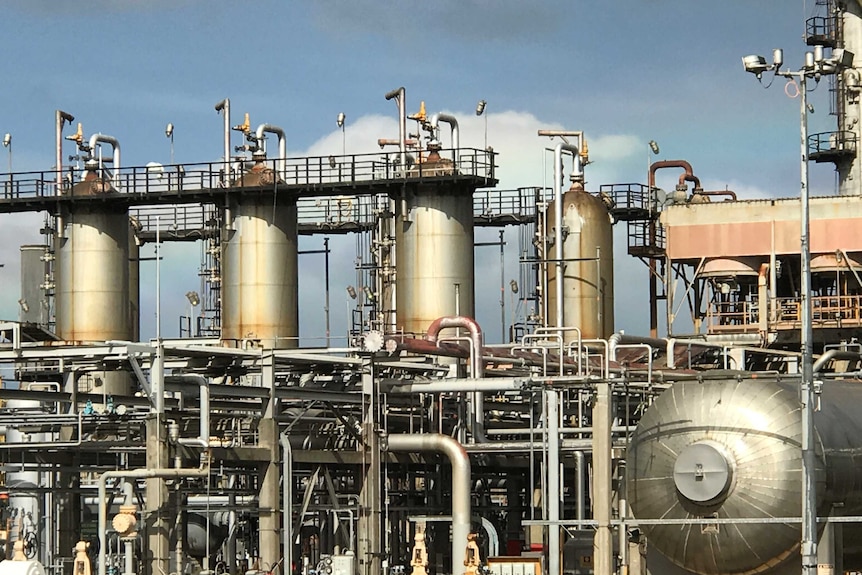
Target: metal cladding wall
{"x":732,"y":449}
{"x":433,"y":253}
{"x":93,"y":276}
{"x":588,"y":288}
{"x":259,"y":268}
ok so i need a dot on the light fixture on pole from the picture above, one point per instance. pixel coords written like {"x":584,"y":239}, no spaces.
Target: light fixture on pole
{"x":653,"y":147}
{"x":815,"y":66}
{"x":340,"y":122}
{"x":7,"y":143}
{"x":480,"y":111}
{"x":169,"y":133}
{"x":194,"y":301}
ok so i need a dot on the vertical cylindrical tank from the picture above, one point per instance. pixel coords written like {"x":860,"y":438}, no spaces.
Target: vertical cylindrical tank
{"x":588,"y":276}
{"x":731,"y":449}
{"x":259,"y":264}
{"x":33,"y":304}
{"x":433,"y":250}
{"x":849,"y":107}
{"x":24,"y":486}
{"x":92,"y":274}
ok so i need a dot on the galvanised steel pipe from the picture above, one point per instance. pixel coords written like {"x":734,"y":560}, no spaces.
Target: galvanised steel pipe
{"x":130,"y":474}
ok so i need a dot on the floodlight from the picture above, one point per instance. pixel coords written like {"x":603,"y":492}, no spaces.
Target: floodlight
{"x":841,"y":58}
{"x":755,"y":64}
{"x":351,"y":291}
{"x":169,"y":130}
{"x":193,"y":298}
{"x":653,"y":145}
{"x":340,"y":119}
{"x":480,"y":107}
{"x":7,"y":140}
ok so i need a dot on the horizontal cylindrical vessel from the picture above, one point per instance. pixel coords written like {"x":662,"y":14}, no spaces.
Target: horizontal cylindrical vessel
{"x":732,"y":450}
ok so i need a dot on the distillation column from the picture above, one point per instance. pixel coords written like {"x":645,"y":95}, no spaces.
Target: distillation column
{"x":849,"y":105}
{"x":259,"y":258}
{"x":434,"y":249}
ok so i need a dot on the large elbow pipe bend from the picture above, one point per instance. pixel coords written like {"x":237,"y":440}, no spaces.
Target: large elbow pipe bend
{"x":470,"y":325}
{"x":282,"y":143}
{"x":460,"y":462}
{"x":453,"y":122}
{"x":115,"y":144}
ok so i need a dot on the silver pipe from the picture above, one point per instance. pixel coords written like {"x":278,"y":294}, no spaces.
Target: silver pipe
{"x":477,"y":365}
{"x":282,"y":145}
{"x":580,"y":491}
{"x":460,"y":462}
{"x":130,"y":473}
{"x":453,"y":122}
{"x":398,"y":94}
{"x":95,"y":138}
{"x":643,"y":346}
{"x":128,"y":546}
{"x":553,"y":478}
{"x":558,"y":218}
{"x":456,"y":385}
{"x":493,"y":537}
{"x":831,"y":354}
{"x":203,"y":438}
{"x":224,"y":106}
{"x":287,"y":488}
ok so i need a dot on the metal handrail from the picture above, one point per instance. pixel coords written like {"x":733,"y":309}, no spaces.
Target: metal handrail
{"x":310,"y":171}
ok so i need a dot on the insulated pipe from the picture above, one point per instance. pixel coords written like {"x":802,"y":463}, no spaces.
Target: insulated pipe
{"x":95,"y":138}
{"x":553,"y":482}
{"x":580,"y":491}
{"x":558,"y":217}
{"x":398,"y":93}
{"x":128,"y":546}
{"x":460,"y":462}
{"x":203,"y":438}
{"x":282,"y":145}
{"x":831,"y":354}
{"x":287,"y":512}
{"x":130,"y":474}
{"x":224,"y":106}
{"x":453,"y":122}
{"x":477,"y":365}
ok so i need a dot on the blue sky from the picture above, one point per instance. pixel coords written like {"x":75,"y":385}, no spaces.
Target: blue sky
{"x":624,"y":72}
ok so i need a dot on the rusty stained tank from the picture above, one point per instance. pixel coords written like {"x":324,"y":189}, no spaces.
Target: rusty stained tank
{"x":433,"y":248}
{"x":588,"y":277}
{"x":259,"y":264}
{"x":92,"y":275}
